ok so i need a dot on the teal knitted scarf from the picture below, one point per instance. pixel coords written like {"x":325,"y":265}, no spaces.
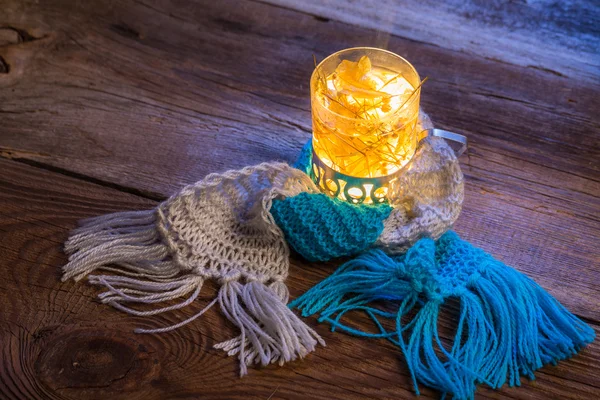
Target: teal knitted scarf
{"x":506,"y":326}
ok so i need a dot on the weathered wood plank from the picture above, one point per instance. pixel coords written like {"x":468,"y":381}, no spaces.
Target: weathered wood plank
{"x":559,"y":38}
{"x":56,"y":343}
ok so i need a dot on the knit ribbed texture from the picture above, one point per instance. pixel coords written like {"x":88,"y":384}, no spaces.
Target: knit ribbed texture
{"x":321,"y":228}
{"x":507,"y":325}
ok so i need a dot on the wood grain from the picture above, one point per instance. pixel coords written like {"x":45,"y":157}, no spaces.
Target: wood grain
{"x":558,"y":38}
{"x":56,"y":343}
{"x":123,"y":82}
{"x":108,"y":106}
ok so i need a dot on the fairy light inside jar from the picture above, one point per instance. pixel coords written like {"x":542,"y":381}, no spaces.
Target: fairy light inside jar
{"x":365,"y":110}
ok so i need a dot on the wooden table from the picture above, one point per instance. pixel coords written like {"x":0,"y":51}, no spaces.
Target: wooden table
{"x":114,"y":105}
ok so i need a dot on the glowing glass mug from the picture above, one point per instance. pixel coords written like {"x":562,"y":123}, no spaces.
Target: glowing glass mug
{"x":365,"y":117}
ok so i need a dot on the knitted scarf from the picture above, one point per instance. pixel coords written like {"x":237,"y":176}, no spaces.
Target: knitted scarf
{"x":234,"y":228}
{"x":219,"y":228}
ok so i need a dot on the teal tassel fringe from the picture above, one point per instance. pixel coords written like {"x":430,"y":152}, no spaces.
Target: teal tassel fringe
{"x":507,"y":326}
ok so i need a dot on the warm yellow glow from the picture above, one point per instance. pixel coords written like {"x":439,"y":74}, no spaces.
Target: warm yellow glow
{"x":365,"y":115}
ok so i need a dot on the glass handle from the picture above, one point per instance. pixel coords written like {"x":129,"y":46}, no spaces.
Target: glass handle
{"x":452,"y":137}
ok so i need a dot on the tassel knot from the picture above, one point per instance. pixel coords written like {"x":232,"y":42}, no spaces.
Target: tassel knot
{"x":419,"y":268}
{"x":230,"y":276}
